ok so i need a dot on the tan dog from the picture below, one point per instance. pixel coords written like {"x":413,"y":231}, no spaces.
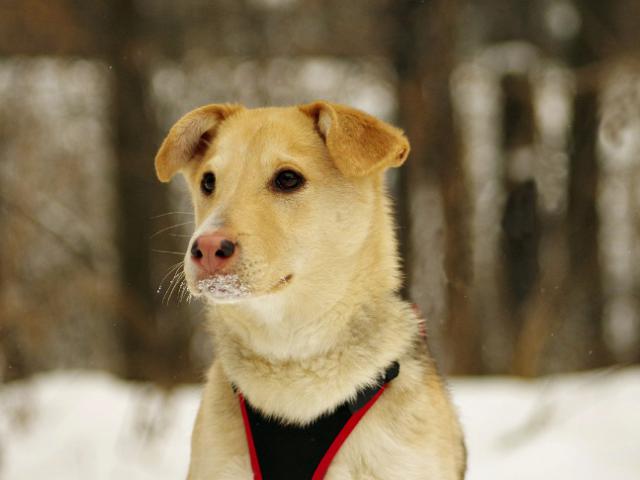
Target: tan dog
{"x":294,"y":253}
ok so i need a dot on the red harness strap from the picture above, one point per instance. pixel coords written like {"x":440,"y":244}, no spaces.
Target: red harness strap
{"x":255,"y":465}
{"x":342,"y":436}
{"x":324,"y":464}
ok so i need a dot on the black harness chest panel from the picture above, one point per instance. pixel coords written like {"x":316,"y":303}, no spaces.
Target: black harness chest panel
{"x":291,"y":452}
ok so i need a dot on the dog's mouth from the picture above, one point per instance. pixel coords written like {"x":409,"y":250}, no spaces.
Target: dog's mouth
{"x":281,"y":283}
{"x":223,"y":286}
{"x":231,"y":286}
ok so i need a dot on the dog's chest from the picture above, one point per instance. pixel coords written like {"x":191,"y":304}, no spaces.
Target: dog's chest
{"x":283,"y":451}
{"x":289,"y":451}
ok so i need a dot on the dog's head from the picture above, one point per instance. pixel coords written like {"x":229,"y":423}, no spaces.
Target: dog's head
{"x":281,"y":195}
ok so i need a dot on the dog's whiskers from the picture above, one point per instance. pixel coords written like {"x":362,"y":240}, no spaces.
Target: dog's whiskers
{"x":171,"y":227}
{"x":180,"y":292}
{"x":179,"y":284}
{"x":172,"y":269}
{"x":184,"y":292}
{"x":171,"y":213}
{"x":169,"y":290}
{"x":178,"y":279}
{"x":167,"y":251}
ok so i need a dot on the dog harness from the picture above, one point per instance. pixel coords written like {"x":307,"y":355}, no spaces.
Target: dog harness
{"x":288,"y":452}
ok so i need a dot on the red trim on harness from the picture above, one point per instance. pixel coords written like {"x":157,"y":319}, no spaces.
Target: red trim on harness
{"x":325,"y":463}
{"x":342,"y":436}
{"x":255,"y":465}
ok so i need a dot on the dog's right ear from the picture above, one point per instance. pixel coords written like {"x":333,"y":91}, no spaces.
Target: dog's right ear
{"x":189,"y":138}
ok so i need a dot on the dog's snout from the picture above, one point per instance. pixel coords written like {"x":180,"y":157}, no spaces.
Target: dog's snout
{"x":213,"y":252}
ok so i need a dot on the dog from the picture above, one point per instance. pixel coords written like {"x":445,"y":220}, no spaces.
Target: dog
{"x":294,"y":254}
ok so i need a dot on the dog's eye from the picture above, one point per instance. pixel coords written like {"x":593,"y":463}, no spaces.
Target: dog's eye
{"x":208,"y":183}
{"x":288,"y":180}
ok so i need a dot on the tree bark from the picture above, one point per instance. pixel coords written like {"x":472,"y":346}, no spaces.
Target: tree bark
{"x":582,"y":237}
{"x":154,"y":343}
{"x":520,"y":219}
{"x":584,"y":335}
{"x":424,"y":50}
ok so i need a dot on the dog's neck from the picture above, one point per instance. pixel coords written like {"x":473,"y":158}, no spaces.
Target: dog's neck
{"x":298,"y":367}
{"x":343,"y":354}
{"x":289,"y":326}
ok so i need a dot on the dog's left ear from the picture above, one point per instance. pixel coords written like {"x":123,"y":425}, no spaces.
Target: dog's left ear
{"x":190,"y":137}
{"x":358,"y":143}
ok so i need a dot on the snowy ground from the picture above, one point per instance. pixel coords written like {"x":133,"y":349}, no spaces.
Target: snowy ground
{"x":78,"y":425}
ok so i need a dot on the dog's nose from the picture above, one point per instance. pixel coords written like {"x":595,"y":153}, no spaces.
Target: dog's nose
{"x":213,"y":251}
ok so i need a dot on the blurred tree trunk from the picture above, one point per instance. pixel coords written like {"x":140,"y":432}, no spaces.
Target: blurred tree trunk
{"x":551,"y":309}
{"x":154,"y":345}
{"x":520,"y":222}
{"x":584,"y":337}
{"x":405,"y":55}
{"x":611,"y":43}
{"x":583,"y":226}
{"x":507,"y":262}
{"x":569,"y":304}
{"x":424,"y":58}
{"x":12,"y":361}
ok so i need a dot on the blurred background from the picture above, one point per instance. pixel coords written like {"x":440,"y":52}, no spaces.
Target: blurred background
{"x":518,"y":210}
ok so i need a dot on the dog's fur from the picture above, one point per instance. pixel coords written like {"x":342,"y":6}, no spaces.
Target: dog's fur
{"x":311,"y":313}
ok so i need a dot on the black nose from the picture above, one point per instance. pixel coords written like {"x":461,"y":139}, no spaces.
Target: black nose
{"x":195,"y":251}
{"x":226,"y":249}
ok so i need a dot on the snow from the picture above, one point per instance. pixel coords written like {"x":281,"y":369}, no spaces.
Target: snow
{"x":580,"y":426}
{"x":224,"y":286}
{"x":72,"y":425}
{"x":89,"y":425}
